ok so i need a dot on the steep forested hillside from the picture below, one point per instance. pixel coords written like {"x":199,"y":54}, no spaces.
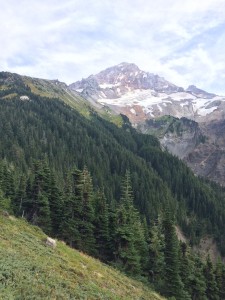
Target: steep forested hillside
{"x":77,"y":176}
{"x":45,"y":128}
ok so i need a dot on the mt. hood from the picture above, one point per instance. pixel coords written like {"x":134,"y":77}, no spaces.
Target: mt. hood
{"x":142,"y":95}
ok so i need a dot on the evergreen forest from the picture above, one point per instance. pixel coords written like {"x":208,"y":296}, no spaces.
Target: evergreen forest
{"x":110,"y":192}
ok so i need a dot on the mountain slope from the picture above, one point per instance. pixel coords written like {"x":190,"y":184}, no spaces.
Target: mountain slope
{"x":48,"y":129}
{"x":179,"y":136}
{"x":12,"y":85}
{"x":31,"y":270}
{"x":200,"y":145}
{"x":144,"y":97}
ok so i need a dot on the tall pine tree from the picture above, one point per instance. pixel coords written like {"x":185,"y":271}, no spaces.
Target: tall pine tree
{"x":173,"y":284}
{"x":130,"y":240}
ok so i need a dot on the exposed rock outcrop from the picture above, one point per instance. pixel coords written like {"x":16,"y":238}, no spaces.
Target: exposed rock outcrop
{"x":50,"y":242}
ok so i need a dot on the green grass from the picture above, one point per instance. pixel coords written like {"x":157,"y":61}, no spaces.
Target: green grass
{"x":31,"y":270}
{"x":48,"y":88}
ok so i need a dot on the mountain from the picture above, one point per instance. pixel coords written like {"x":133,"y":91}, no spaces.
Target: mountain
{"x":105,"y":189}
{"x":71,"y":133}
{"x":41,"y":126}
{"x":144,"y":97}
{"x":32,"y":270}
{"x":199,"y":93}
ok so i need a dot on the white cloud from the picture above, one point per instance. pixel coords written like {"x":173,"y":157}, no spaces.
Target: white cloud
{"x":180,"y":40}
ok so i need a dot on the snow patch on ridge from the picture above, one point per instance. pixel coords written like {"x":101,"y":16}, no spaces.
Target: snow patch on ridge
{"x":108,"y":85}
{"x":159,"y":107}
{"x":184,"y":103}
{"x":200,"y":107}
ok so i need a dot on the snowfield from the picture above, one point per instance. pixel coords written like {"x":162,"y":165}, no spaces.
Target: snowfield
{"x":149,"y":101}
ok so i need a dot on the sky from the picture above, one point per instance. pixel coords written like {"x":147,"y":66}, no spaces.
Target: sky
{"x":182,"y":41}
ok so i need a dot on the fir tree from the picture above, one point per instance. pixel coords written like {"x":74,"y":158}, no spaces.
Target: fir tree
{"x":129,"y":236}
{"x":37,"y":203}
{"x":7,"y":181}
{"x":220,"y":278}
{"x":87,"y":214}
{"x":156,"y":255}
{"x":210,"y":280}
{"x":20,"y":197}
{"x":101,"y":226}
{"x":112,"y":231}
{"x":69,"y":227}
{"x":173,"y":284}
{"x":5,"y":203}
{"x":43,"y":217}
{"x":56,"y":205}
{"x":197,"y":281}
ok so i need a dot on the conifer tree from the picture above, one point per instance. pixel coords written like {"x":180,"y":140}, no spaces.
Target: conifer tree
{"x":37,"y":203}
{"x":69,"y":227}
{"x":197,"y":281}
{"x":20,"y":196}
{"x":185,"y":265}
{"x":7,"y":181}
{"x":77,"y":226}
{"x":56,"y":205}
{"x":112,"y":230}
{"x":173,"y":284}
{"x":5,"y":203}
{"x":129,"y":236}
{"x":191,"y":273}
{"x":43,"y":217}
{"x":101,"y":226}
{"x":220,"y":278}
{"x":87,"y":214}
{"x":46,"y":185}
{"x":156,"y":255}
{"x":212,"y":292}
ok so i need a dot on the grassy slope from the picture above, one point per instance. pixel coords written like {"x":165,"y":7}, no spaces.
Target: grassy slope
{"x":31,"y":270}
{"x":56,"y":89}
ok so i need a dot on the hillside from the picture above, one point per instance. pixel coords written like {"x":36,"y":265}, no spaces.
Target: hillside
{"x":106,"y":190}
{"x":47,"y":128}
{"x":31,"y":270}
{"x":12,"y":84}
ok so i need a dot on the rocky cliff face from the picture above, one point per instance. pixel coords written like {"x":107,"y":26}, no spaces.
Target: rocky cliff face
{"x":200,"y":145}
{"x":208,"y":158}
{"x":178,"y":136}
{"x":146,"y":99}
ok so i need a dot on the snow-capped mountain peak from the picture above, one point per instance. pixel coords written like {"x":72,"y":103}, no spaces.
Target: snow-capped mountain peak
{"x":142,"y":95}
